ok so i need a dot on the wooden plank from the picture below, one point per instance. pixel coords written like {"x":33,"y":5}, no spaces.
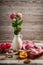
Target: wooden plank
{"x":32,"y":27}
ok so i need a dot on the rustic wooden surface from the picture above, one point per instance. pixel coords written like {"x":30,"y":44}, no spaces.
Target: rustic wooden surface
{"x":32,"y":27}
{"x":11,"y":61}
{"x":14,"y":61}
{"x":3,"y":57}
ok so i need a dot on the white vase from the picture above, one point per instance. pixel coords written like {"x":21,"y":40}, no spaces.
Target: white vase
{"x":17,"y":42}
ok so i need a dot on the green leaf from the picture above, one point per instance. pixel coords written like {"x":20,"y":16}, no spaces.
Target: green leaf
{"x":17,"y":30}
{"x":14,"y":24}
{"x":20,"y":22}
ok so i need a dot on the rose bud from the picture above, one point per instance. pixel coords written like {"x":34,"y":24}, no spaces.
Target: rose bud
{"x":12,"y":16}
{"x":19,"y":15}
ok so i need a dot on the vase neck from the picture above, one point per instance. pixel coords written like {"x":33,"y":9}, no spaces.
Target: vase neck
{"x":17,"y":35}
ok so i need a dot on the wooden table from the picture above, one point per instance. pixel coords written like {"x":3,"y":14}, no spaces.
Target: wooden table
{"x":14,"y":61}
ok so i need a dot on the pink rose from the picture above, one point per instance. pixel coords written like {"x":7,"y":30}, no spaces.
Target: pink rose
{"x":12,"y":16}
{"x":19,"y":15}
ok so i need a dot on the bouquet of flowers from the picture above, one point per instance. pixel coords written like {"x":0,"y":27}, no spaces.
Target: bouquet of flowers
{"x":16,"y":22}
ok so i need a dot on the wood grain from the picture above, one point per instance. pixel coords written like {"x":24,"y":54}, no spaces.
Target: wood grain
{"x":32,"y":11}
